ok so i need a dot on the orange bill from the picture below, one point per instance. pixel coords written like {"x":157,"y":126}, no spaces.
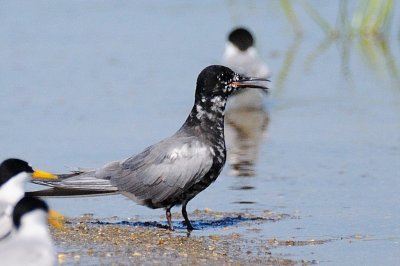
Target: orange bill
{"x":56,"y":219}
{"x":39,"y":174}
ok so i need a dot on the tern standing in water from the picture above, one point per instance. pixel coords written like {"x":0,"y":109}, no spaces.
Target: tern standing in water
{"x":174,"y":170}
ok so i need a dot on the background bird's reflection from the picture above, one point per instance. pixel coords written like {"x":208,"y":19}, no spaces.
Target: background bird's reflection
{"x":245,"y":129}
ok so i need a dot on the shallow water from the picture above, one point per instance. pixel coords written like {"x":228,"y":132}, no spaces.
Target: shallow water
{"x":85,"y":84}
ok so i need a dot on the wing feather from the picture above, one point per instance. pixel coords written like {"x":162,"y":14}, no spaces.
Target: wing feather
{"x":159,"y":173}
{"x":164,"y":170}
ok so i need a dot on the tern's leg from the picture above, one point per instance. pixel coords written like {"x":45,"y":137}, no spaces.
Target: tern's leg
{"x":168,"y":215}
{"x":184,"y":213}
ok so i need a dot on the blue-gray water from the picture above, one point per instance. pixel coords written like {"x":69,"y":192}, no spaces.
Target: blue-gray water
{"x":84,"y":83}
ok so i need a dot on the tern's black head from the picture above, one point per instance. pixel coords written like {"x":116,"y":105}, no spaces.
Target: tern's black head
{"x":241,"y":38}
{"x":27,"y":205}
{"x":214,"y":81}
{"x":12,"y":167}
{"x":220,"y":81}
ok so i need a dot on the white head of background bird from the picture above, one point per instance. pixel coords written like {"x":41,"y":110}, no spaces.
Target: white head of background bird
{"x":30,"y":206}
{"x":14,"y":173}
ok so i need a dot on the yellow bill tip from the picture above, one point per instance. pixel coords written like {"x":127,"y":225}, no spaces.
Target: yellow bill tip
{"x":39,"y":174}
{"x":56,"y":219}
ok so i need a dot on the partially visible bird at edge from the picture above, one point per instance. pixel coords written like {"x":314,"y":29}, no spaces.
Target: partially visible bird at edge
{"x":31,"y":244}
{"x":14,"y":173}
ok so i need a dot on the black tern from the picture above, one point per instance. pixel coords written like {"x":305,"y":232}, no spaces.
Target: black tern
{"x":14,"y":173}
{"x":174,"y":170}
{"x":31,"y":243}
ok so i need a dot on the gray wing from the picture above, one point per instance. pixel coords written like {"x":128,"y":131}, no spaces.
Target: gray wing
{"x":160,"y":172}
{"x":163,"y":171}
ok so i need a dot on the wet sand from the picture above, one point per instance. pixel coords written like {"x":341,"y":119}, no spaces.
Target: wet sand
{"x":89,"y":241}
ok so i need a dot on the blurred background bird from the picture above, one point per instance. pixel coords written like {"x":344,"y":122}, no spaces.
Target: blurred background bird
{"x":14,"y":174}
{"x":246,"y":118}
{"x":31,"y":243}
{"x":241,"y":56}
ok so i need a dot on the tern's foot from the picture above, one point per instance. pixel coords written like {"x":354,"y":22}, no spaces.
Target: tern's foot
{"x":189,"y":227}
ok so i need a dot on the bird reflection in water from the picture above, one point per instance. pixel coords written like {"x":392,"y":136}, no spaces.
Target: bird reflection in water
{"x":244,"y":131}
{"x":246,"y":119}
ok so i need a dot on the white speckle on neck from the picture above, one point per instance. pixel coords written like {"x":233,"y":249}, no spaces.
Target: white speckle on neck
{"x":216,"y":99}
{"x":215,"y":107}
{"x":200,"y":111}
{"x":210,"y":115}
{"x":218,"y":104}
